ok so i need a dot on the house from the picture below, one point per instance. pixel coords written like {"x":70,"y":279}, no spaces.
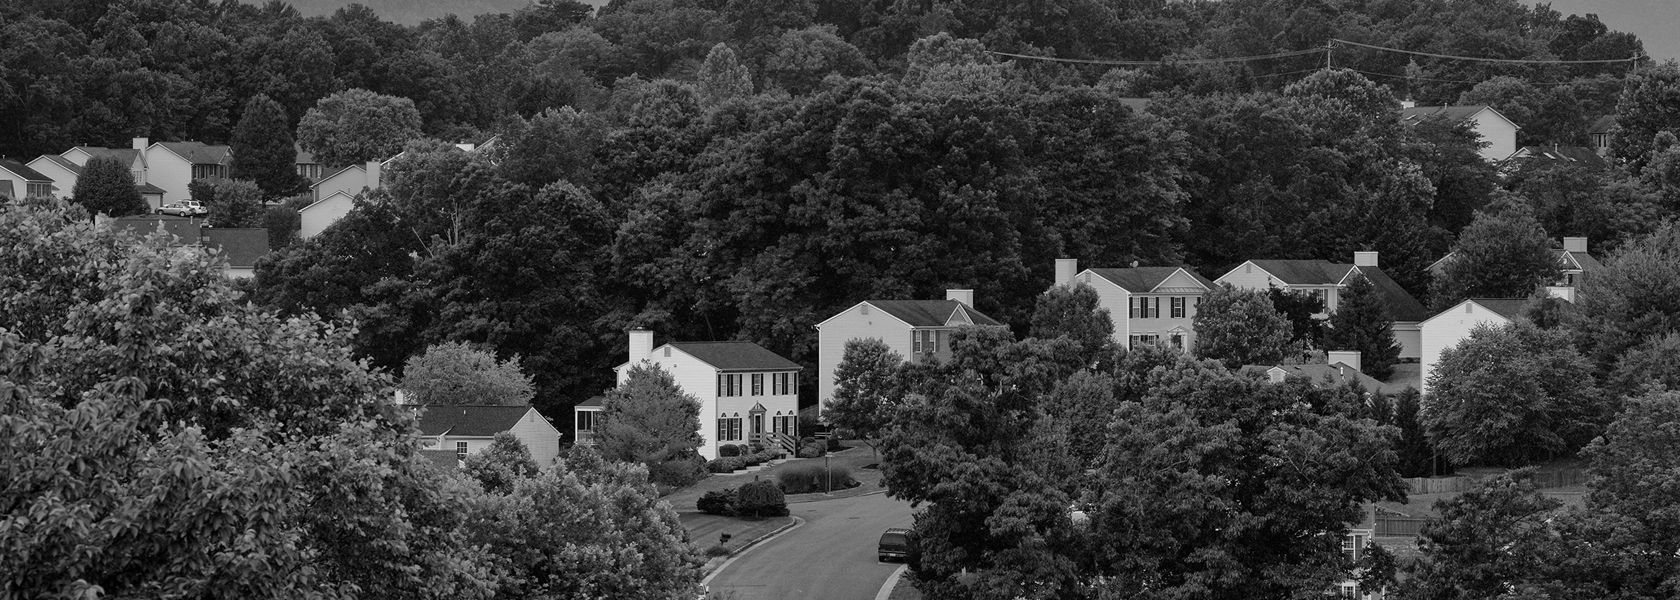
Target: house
{"x":1574,"y":260}
{"x":174,"y":165}
{"x":335,"y":194}
{"x":1341,"y":368}
{"x":65,"y":173}
{"x":133,"y":156}
{"x":1498,"y":133}
{"x":586,"y":415}
{"x":912,"y":328}
{"x":1149,"y":305}
{"x":1449,"y":327}
{"x":240,"y":246}
{"x":468,"y":429}
{"x":18,"y":181}
{"x":1599,"y":132}
{"x":1326,"y":279}
{"x":747,"y":394}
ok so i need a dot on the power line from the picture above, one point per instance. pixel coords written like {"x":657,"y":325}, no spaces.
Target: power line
{"x":1435,"y":79}
{"x":1634,"y":58}
{"x":1158,"y":63}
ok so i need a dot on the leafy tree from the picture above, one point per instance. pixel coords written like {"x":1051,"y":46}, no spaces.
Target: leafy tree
{"x":107,"y":187}
{"x":1416,"y":455}
{"x":1653,"y":365}
{"x":1363,"y":322}
{"x":1240,"y":327}
{"x":458,"y":373}
{"x":1633,"y":505}
{"x":1650,"y":100}
{"x":554,"y":145}
{"x":262,"y":148}
{"x":1074,"y":312}
{"x":1501,"y":254}
{"x":355,"y":126}
{"x":1633,"y":299}
{"x":1301,"y":307}
{"x":757,"y":499}
{"x":501,"y":465}
{"x":230,"y":202}
{"x":648,"y":419}
{"x":284,"y":221}
{"x":1492,"y":541}
{"x":722,"y":77}
{"x":804,"y":56}
{"x":866,"y":390}
{"x":1512,"y":395}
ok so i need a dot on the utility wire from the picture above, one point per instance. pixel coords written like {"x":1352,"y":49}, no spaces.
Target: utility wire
{"x":1155,"y":63}
{"x":1400,"y":76}
{"x":1634,"y":58}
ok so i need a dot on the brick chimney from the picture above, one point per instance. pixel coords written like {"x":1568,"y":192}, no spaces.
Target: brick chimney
{"x":641,"y":344}
{"x":963,"y":296}
{"x":1574,"y":244}
{"x":1365,"y":259}
{"x":1066,"y":268}
{"x":1346,"y":357}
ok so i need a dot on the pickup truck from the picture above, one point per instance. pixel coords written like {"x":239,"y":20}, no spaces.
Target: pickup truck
{"x":184,"y":208}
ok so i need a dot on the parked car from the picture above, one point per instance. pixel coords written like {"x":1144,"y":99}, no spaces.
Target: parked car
{"x":184,"y":208}
{"x":895,"y":544}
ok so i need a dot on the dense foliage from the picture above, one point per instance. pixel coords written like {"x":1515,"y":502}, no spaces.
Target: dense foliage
{"x":457,"y":373}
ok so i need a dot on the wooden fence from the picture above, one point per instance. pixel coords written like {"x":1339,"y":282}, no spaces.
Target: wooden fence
{"x":1400,"y":525}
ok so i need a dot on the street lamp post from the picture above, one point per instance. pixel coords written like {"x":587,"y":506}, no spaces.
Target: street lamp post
{"x":828,"y":476}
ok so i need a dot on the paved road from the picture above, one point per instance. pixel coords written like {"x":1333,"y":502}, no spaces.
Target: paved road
{"x":830,"y":557}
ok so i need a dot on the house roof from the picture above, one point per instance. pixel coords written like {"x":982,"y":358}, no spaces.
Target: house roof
{"x":198,"y":153}
{"x":596,"y":402}
{"x":736,"y":356}
{"x":1602,"y":124}
{"x":1581,"y":259}
{"x":1574,"y":155}
{"x":1336,"y":374}
{"x":1145,"y":279}
{"x":23,"y":171}
{"x":63,"y":163}
{"x":1401,"y":305}
{"x":147,"y":188}
{"x":1304,"y":272}
{"x":1510,"y":308}
{"x":930,"y":313}
{"x":1417,"y":114}
{"x":443,"y":458}
{"x":241,"y":246}
{"x":470,"y":420}
{"x":125,"y":155}
{"x":186,"y":229}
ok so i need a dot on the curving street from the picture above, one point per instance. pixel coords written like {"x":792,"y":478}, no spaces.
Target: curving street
{"x":830,"y":557}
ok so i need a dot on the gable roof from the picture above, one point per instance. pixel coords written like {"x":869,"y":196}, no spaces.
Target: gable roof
{"x":1463,"y":112}
{"x":1510,"y":308}
{"x":1304,"y":272}
{"x":736,"y":356}
{"x":126,"y":155}
{"x":931,"y":313}
{"x":1574,"y":155}
{"x":241,"y":246}
{"x":469,"y":420}
{"x":198,"y":153}
{"x":1581,"y":259}
{"x":1401,"y":305}
{"x":61,"y":162}
{"x":23,"y":171}
{"x":147,"y":188}
{"x":1145,"y":279}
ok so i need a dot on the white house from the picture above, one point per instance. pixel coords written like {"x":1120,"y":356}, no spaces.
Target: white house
{"x":747,"y":394}
{"x":173,"y":165}
{"x":335,"y":194}
{"x":18,"y":181}
{"x":1451,"y":326}
{"x":1149,"y":305}
{"x":470,"y":429}
{"x":1498,"y":133}
{"x":912,"y":328}
{"x":66,"y":169}
{"x":133,"y":156}
{"x":1326,"y":279}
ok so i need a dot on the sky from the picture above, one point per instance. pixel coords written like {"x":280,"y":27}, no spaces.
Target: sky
{"x":1656,"y":22}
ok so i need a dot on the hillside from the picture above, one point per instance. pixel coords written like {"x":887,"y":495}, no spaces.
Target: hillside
{"x":1654,"y":21}
{"x":409,"y":12}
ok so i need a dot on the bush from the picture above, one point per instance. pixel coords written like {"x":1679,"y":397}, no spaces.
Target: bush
{"x":717,"y":503}
{"x":717,"y":550}
{"x":727,"y":450}
{"x":726,"y":464}
{"x":811,"y":477}
{"x":760,"y":499}
{"x":680,"y":472}
{"x":810,"y":452}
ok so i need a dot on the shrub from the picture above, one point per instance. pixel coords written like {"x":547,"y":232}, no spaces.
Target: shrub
{"x":717,"y":503}
{"x":680,"y":472}
{"x":810,"y":452}
{"x":726,"y":464}
{"x":717,"y":550}
{"x":760,"y":499}
{"x":727,"y":450}
{"x":811,"y":477}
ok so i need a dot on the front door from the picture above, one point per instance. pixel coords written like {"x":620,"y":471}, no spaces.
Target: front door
{"x":757,"y":425}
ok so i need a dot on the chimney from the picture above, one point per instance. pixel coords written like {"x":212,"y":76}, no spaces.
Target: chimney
{"x":1574,"y":244}
{"x":1365,"y":259}
{"x":1408,"y":103}
{"x":641,"y":344}
{"x":1346,"y":357}
{"x":1066,"y":268}
{"x":141,"y":144}
{"x":373,"y":174}
{"x":963,"y":296}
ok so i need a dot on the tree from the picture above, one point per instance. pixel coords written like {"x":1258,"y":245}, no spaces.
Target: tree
{"x":757,"y":499}
{"x":229,"y":202}
{"x":1363,"y":322}
{"x":107,"y":187}
{"x":722,"y":77}
{"x":1493,"y":541}
{"x":263,"y":149}
{"x":1240,"y":327}
{"x":1512,"y":395}
{"x":1650,"y":100}
{"x":804,"y":56}
{"x":1302,"y":308}
{"x":866,"y":389}
{"x":1503,"y":253}
{"x":458,"y":373}
{"x":1633,"y":505}
{"x":356,"y":126}
{"x":648,"y":419}
{"x":1635,"y":298}
{"x":1075,"y":312}
{"x":554,"y":145}
{"x":501,"y":465}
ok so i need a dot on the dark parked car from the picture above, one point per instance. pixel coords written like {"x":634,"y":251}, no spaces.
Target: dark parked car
{"x":895,"y":544}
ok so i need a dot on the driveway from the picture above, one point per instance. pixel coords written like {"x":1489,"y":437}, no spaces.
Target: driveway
{"x":830,"y":557}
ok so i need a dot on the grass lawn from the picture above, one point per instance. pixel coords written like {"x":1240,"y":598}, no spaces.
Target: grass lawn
{"x":705,"y":530}
{"x":904,"y":590}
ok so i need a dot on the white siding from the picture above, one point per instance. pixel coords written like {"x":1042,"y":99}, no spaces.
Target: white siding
{"x":1410,"y":336}
{"x":851,"y":324}
{"x":351,"y":181}
{"x":63,"y":179}
{"x":169,"y":171}
{"x":539,"y":436}
{"x":1113,"y":298}
{"x":315,"y":218}
{"x":1499,"y":133}
{"x":1447,"y":329}
{"x":1248,"y":277}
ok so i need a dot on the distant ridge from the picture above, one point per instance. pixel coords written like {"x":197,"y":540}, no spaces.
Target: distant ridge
{"x":409,"y":12}
{"x":1654,"y":21}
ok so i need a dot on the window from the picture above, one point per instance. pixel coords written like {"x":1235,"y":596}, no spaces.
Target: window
{"x":208,"y":171}
{"x":758,"y":384}
{"x":1177,"y":307}
{"x":924,"y":341}
{"x":667,"y":352}
{"x":781,"y":384}
{"x":785,"y":424}
{"x":39,"y":189}
{"x":1177,"y":341}
{"x":586,"y":420}
{"x":1132,"y":307}
{"x":1140,"y":340}
{"x":460,"y":450}
{"x":729,"y":428}
{"x":729,"y":385}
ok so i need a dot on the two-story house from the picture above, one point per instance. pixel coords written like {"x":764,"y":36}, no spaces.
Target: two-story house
{"x":1149,"y":305}
{"x":911,"y":328}
{"x":66,"y":169}
{"x":18,"y":181}
{"x":1326,"y":279}
{"x":747,"y":393}
{"x":336,"y":193}
{"x":1451,"y":326}
{"x":1574,"y":263}
{"x":174,"y":165}
{"x":469,"y":429}
{"x":1498,"y":133}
